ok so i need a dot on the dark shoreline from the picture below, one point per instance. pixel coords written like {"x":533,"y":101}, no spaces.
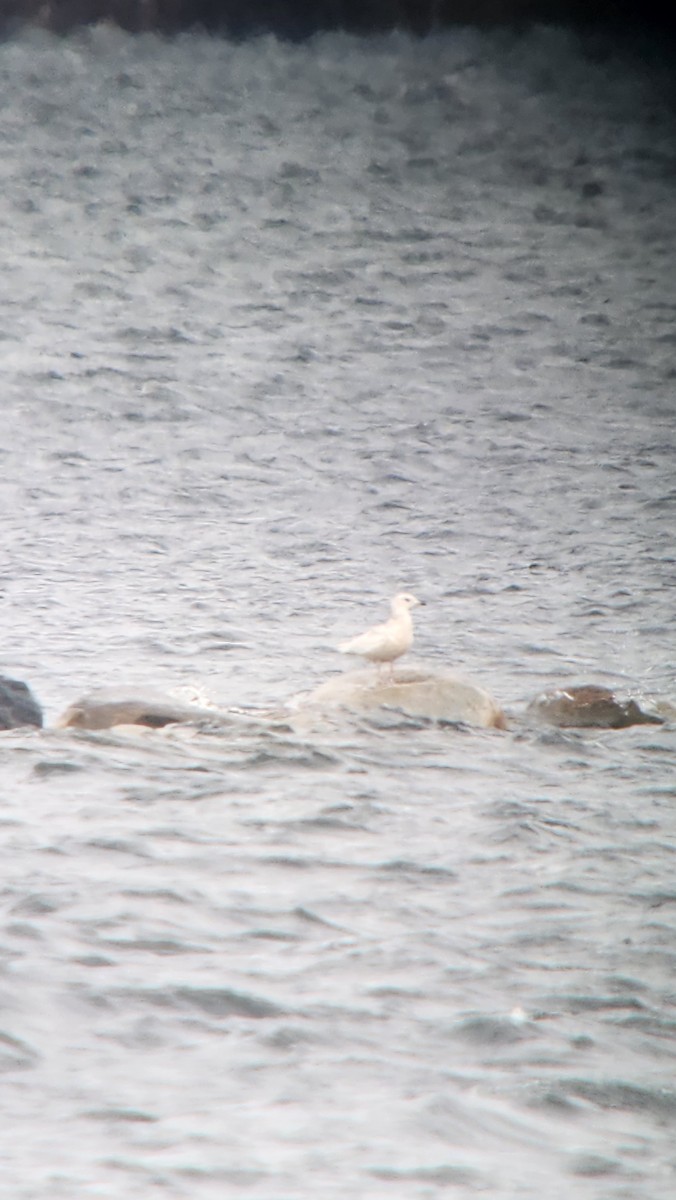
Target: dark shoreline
{"x":295,"y":20}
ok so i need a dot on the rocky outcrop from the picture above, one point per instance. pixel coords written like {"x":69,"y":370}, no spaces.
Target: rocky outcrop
{"x":103,"y":709}
{"x":18,"y":706}
{"x":418,"y":691}
{"x":588,"y":707}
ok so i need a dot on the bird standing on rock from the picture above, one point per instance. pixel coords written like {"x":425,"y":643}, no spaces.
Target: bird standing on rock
{"x":384,"y":643}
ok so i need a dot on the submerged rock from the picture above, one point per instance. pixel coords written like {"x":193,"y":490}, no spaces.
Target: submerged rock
{"x":419,"y":691}
{"x":18,"y":706}
{"x":103,"y":709}
{"x":588,"y":706}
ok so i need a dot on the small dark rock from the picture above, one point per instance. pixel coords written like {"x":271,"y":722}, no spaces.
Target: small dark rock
{"x":18,"y":706}
{"x":589,"y":707}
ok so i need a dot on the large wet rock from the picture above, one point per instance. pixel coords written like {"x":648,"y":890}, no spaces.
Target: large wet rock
{"x":103,"y":709}
{"x":18,"y":705}
{"x":589,"y":707}
{"x":416,"y":690}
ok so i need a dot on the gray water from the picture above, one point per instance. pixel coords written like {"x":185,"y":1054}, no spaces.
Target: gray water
{"x":283,"y":330}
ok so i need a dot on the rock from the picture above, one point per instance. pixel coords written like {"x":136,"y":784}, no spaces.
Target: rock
{"x":103,"y":709}
{"x":418,"y":691}
{"x":18,"y":706}
{"x":589,"y":707}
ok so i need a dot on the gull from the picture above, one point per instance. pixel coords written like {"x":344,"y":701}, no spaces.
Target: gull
{"x":383,"y":643}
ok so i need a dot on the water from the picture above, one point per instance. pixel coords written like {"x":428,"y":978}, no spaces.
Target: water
{"x":285,"y":329}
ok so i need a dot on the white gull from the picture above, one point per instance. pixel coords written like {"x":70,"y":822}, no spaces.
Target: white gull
{"x":383,"y":643}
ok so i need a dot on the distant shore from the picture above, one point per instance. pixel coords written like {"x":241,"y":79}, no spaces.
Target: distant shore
{"x":299,"y":19}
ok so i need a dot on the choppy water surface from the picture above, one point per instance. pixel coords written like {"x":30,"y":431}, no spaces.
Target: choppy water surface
{"x":285,"y":329}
